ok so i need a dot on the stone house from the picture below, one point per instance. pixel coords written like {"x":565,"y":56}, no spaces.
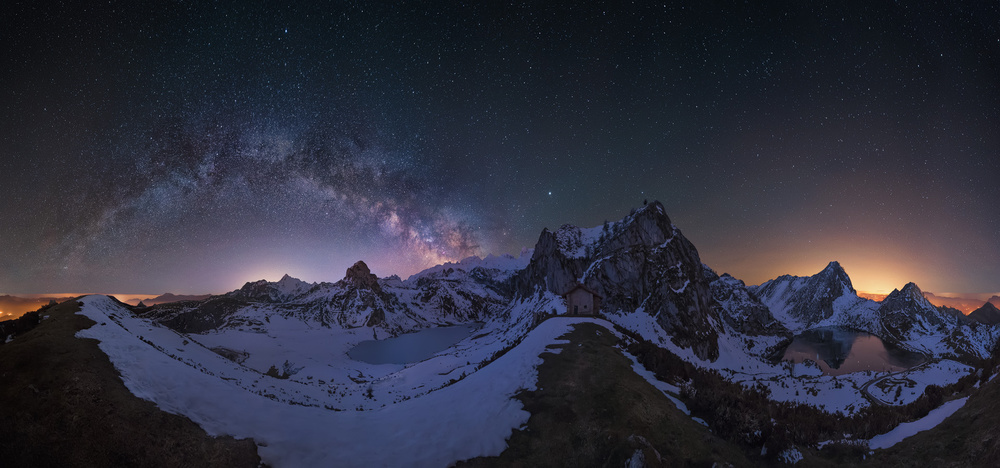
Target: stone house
{"x":581,"y":300}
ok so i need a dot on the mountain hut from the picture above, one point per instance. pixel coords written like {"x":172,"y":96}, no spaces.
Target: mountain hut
{"x":581,"y":300}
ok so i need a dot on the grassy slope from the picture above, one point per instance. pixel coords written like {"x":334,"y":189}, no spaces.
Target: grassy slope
{"x":64,"y":404}
{"x":968,"y":438}
{"x":590,"y":404}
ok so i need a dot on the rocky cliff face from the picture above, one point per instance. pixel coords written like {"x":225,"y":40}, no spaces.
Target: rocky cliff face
{"x":740,"y":308}
{"x":906,"y":312}
{"x":359,"y":276}
{"x":642,"y":262}
{"x":908,"y":317}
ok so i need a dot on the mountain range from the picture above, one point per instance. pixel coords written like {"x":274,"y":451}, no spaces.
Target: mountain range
{"x":167,"y":297}
{"x":639,"y":264}
{"x":281,"y":347}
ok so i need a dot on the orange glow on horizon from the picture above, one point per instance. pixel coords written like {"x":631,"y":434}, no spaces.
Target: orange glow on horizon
{"x":873,"y":265}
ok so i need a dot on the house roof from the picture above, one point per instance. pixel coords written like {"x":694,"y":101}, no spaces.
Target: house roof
{"x":580,"y":286}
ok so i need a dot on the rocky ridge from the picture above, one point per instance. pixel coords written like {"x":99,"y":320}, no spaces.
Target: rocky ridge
{"x":642,"y":262}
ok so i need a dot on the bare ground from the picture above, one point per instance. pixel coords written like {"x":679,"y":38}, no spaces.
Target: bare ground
{"x":64,"y":404}
{"x":592,"y":409}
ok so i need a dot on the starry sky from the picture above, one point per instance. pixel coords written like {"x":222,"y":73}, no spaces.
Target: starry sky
{"x":192,"y":146}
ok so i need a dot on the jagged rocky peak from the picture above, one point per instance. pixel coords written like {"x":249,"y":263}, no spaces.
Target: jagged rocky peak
{"x":809,"y":299}
{"x":639,"y":262}
{"x":906,"y":313}
{"x":288,"y":281}
{"x":834,"y":275}
{"x":910,"y":293}
{"x":561,"y":257}
{"x":649,"y":225}
{"x":740,"y":308}
{"x":360,"y":276}
{"x":288,"y":287}
{"x":254,"y":290}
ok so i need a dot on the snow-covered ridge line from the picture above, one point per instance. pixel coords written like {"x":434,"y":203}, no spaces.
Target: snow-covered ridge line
{"x":506,"y":263}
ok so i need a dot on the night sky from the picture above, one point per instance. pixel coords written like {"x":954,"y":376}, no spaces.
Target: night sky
{"x":192,"y":146}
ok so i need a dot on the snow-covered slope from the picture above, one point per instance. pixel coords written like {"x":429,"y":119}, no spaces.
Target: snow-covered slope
{"x":448,"y":408}
{"x":497,"y":268}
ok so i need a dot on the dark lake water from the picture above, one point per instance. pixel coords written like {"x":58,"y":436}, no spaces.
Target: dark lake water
{"x":411,"y":347}
{"x":840,"y":351}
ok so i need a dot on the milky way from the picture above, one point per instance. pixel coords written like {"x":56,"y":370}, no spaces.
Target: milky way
{"x":192,"y":147}
{"x":257,"y":189}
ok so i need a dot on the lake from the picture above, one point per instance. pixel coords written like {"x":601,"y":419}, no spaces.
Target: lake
{"x":411,"y":347}
{"x":840,"y":351}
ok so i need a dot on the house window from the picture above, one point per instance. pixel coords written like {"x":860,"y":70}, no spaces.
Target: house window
{"x":576,"y":309}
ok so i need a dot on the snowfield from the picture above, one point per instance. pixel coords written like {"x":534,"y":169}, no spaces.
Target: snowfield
{"x":910,"y":428}
{"x":784,"y":381}
{"x":904,"y":387}
{"x":300,"y":422}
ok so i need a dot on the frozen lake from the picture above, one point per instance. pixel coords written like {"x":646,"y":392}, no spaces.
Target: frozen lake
{"x":840,"y":351}
{"x":411,"y":347}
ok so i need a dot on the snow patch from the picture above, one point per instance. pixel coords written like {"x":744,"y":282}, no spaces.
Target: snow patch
{"x":791,"y":456}
{"x":908,"y":429}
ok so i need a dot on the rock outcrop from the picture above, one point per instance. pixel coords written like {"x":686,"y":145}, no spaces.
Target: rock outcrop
{"x":358,"y":275}
{"x":740,"y":308}
{"x":906,"y":311}
{"x":642,"y":262}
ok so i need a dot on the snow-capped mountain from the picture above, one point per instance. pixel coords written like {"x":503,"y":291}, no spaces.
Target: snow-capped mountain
{"x":498,"y":268}
{"x":439,"y":297}
{"x":905,"y":316}
{"x":290,"y":343}
{"x":639,"y":264}
{"x":905,"y":313}
{"x":826,"y":298}
{"x":285,"y":289}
